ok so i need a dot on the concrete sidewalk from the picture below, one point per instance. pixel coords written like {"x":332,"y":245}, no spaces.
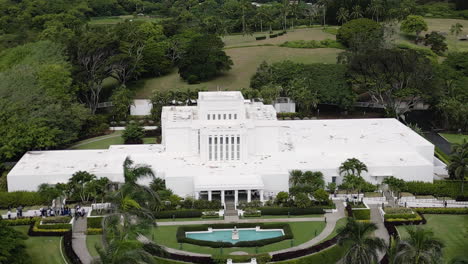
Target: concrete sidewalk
{"x":79,"y":240}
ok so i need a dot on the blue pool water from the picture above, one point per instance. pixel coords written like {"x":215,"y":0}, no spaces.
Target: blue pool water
{"x":244,"y":235}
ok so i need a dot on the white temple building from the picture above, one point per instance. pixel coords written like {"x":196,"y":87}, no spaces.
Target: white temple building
{"x":226,"y":146}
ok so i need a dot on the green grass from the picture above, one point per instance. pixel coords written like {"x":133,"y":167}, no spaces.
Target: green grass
{"x":103,"y":142}
{"x":451,"y":229}
{"x":246,"y":56}
{"x":303,"y":232}
{"x":454,"y":138}
{"x":340,"y":223}
{"x":91,"y":242}
{"x":440,"y":25}
{"x":328,"y":256}
{"x":42,"y":249}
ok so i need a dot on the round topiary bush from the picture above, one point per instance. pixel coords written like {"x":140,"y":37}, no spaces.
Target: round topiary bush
{"x":359,"y":30}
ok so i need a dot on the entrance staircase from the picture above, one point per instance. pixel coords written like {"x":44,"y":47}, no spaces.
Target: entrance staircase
{"x":230,"y":209}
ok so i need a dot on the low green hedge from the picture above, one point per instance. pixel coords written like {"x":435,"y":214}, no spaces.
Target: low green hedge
{"x":94,"y":222}
{"x":179,"y":214}
{"x":440,"y":188}
{"x":54,"y":226}
{"x":56,"y":220}
{"x":290,"y":211}
{"x":260,"y":38}
{"x":210,"y":216}
{"x":416,"y":217}
{"x":442,"y":210}
{"x":261,"y":258}
{"x":361,"y":214}
{"x":15,"y":199}
{"x":182,"y":238}
{"x":399,"y":216}
{"x":21,"y":221}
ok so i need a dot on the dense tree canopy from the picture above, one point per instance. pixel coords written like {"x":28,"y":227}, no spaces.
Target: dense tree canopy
{"x":12,"y":247}
{"x":358,"y":31}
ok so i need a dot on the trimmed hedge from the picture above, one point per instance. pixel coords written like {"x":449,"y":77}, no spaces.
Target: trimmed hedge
{"x":94,"y":231}
{"x":15,"y":199}
{"x":182,"y":238}
{"x":67,"y":245}
{"x":54,"y":226}
{"x":273,"y":35}
{"x":361,"y":214}
{"x":56,"y":220}
{"x":179,"y":214}
{"x":260,"y":38}
{"x":290,"y":211}
{"x":400,"y":216}
{"x":35,"y":231}
{"x":441,"y":188}
{"x":21,"y":221}
{"x":304,"y":252}
{"x":442,"y":210}
{"x":94,"y":222}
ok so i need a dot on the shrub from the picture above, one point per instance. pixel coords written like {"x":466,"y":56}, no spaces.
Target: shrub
{"x":361,"y":214}
{"x":252,"y":213}
{"x":313,"y":44}
{"x":53,"y":226}
{"x":252,"y":204}
{"x":273,"y":35}
{"x":179,"y":214}
{"x":461,"y":198}
{"x":133,"y":134}
{"x":399,"y":221}
{"x":94,"y":222}
{"x":442,"y":210}
{"x":290,"y":211}
{"x":398,"y":210}
{"x":182,"y":238}
{"x":260,"y":38}
{"x":210,"y":214}
{"x":399,"y":216}
{"x":15,"y":199}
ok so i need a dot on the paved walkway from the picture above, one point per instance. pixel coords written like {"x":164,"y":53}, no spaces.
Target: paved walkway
{"x":381,"y":232}
{"x":79,"y":240}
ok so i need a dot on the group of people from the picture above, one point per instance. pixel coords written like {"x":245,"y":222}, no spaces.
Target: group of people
{"x":78,"y":211}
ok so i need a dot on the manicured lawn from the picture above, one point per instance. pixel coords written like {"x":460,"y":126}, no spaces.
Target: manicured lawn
{"x":303,"y":231}
{"x":103,"y":142}
{"x":454,"y":138}
{"x":91,"y":242}
{"x":246,"y":62}
{"x":341,"y":222}
{"x":440,"y":25}
{"x":43,"y":249}
{"x":451,"y":229}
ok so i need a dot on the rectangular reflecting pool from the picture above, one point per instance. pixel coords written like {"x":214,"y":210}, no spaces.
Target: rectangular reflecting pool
{"x":226,"y":235}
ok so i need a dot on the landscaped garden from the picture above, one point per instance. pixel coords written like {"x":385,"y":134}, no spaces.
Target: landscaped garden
{"x":452,"y":230}
{"x":302,"y":232}
{"x":454,"y":138}
{"x":103,"y":142}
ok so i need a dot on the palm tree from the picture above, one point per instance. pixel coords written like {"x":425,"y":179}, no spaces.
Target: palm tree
{"x":356,"y":12}
{"x":295,"y":178}
{"x":285,"y":8}
{"x":456,"y":29}
{"x":375,"y":8}
{"x":421,"y":247}
{"x":393,"y":250}
{"x":352,"y":166}
{"x":459,"y":162}
{"x":323,"y":4}
{"x":342,"y":15}
{"x":364,"y":247}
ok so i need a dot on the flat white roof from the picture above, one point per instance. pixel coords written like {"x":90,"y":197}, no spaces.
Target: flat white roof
{"x":312,"y":144}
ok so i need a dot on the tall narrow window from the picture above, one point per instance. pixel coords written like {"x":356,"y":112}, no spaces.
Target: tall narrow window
{"x":227,"y":148}
{"x":210,"y":148}
{"x":235,"y":116}
{"x":198,"y":141}
{"x":232,"y":148}
{"x":224,"y":116}
{"x":238,"y":148}
{"x":214,"y":117}
{"x":219,"y":116}
{"x":208,"y":117}
{"x":230,"y":116}
{"x":221,"y":148}
{"x":215,"y":148}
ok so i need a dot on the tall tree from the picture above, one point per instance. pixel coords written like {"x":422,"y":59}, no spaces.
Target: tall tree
{"x":396,"y":79}
{"x":356,"y":12}
{"x":352,"y":166}
{"x":456,"y":29}
{"x":12,"y":246}
{"x":364,"y":247}
{"x":323,"y":5}
{"x":376,"y":9}
{"x":459,"y":162}
{"x":79,"y":184}
{"x":415,"y":24}
{"x":343,"y":15}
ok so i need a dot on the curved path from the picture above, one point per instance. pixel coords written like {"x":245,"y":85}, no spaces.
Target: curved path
{"x":79,"y":240}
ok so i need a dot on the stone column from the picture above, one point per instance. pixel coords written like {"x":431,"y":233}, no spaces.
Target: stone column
{"x":261,"y":196}
{"x":236,"y":197}
{"x":249,"y":196}
{"x":209,"y":195}
{"x":222,"y":197}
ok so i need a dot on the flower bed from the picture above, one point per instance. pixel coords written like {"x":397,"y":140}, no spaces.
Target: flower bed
{"x":210,"y":214}
{"x":179,"y":214}
{"x":182,"y":238}
{"x":252,"y":213}
{"x":56,"y":220}
{"x":400,"y":215}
